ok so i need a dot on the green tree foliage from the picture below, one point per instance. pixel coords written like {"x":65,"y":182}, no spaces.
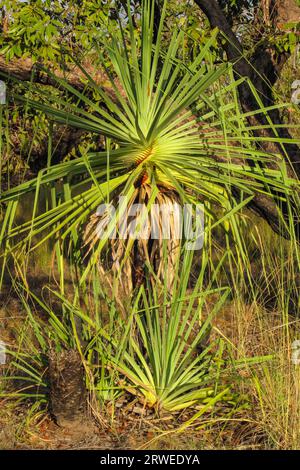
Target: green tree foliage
{"x":41,"y":28}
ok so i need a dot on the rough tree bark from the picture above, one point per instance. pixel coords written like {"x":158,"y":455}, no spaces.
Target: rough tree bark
{"x":68,"y":393}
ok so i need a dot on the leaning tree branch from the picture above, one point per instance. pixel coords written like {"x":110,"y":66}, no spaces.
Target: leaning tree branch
{"x":262,"y":71}
{"x":27,"y":70}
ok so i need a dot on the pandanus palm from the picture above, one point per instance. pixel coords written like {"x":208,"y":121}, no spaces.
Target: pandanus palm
{"x":175,"y":133}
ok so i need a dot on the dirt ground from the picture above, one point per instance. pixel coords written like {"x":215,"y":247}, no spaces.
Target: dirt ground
{"x":42,"y":433}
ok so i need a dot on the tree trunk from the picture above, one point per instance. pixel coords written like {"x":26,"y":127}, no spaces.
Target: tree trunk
{"x":262,"y":70}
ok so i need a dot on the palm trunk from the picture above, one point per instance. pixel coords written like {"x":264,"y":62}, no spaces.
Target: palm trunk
{"x":68,"y":394}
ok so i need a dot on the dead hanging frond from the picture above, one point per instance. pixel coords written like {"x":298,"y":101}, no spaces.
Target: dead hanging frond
{"x":140,"y":238}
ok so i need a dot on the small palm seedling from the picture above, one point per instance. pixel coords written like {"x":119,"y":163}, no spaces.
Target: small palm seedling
{"x":169,"y":365}
{"x":165,"y":359}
